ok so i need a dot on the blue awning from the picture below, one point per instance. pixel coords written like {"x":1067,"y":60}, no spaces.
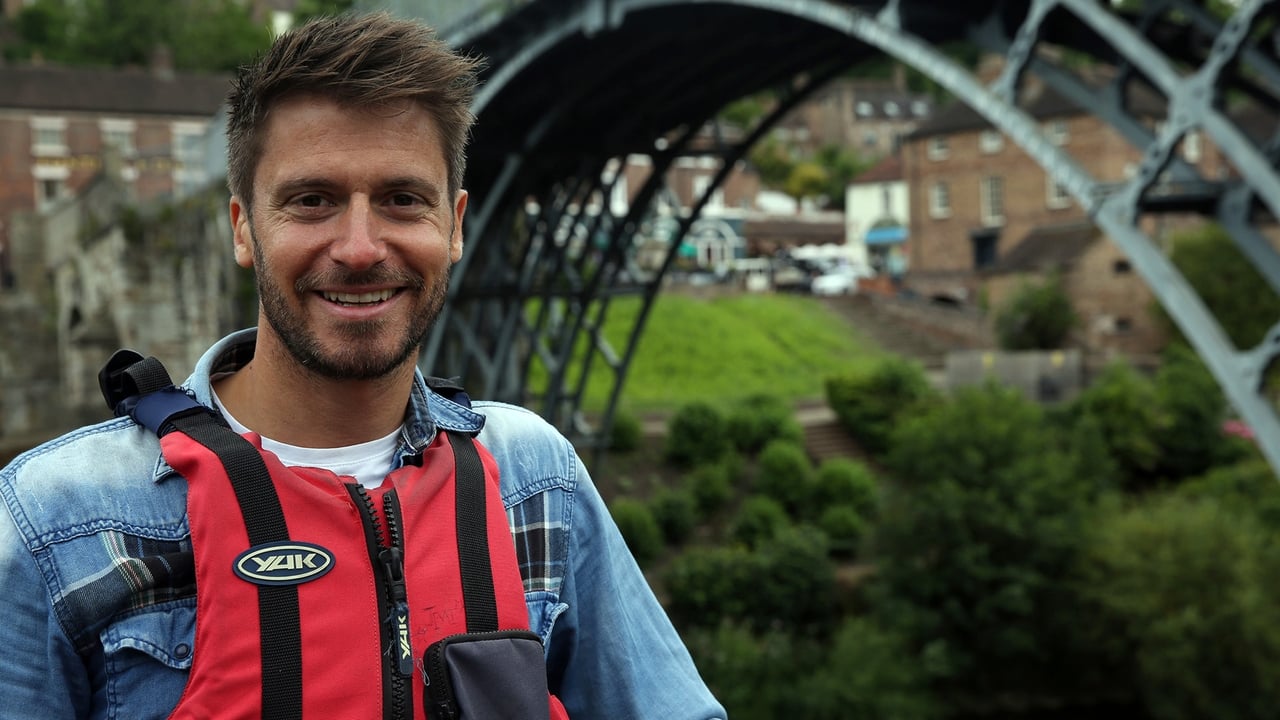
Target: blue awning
{"x":886,"y":235}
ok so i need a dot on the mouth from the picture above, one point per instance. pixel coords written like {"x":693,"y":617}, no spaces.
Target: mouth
{"x":363,"y":299}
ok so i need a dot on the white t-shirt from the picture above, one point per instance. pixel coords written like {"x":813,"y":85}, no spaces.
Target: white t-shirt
{"x":368,"y":462}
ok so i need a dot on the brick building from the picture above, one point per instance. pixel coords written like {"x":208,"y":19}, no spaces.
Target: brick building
{"x":976,"y":198}
{"x":56,"y":123}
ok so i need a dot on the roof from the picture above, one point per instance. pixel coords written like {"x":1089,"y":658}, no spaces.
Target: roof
{"x":1048,"y":248}
{"x":889,"y":168}
{"x":1043,"y":103}
{"x":106,"y":90}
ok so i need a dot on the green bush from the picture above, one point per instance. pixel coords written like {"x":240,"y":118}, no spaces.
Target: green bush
{"x":844,"y":525}
{"x":712,"y":487}
{"x":868,"y":674}
{"x":708,"y":584}
{"x":639,"y":529}
{"x":1183,"y":593}
{"x":843,"y":481}
{"x":1191,"y":441}
{"x":1127,"y":408}
{"x":625,"y":432}
{"x":1228,"y":283}
{"x":1036,"y":317}
{"x":794,"y":582}
{"x":870,"y":402}
{"x":696,"y":434}
{"x":784,"y":472}
{"x":676,"y":511}
{"x":758,"y":520}
{"x":760,"y":418}
{"x":974,"y":539}
{"x":754,"y":674}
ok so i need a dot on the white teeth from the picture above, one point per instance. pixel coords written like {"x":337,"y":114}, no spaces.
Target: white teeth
{"x":357,"y":298}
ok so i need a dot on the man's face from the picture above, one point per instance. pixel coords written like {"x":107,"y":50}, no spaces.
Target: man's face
{"x":350,"y":232}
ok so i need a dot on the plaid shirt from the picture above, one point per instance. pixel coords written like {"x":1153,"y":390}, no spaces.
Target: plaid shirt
{"x":99,"y":594}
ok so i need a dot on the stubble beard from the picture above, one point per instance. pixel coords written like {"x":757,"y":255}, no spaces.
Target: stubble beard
{"x":357,"y":356}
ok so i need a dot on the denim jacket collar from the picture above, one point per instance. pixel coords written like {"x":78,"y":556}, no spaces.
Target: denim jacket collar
{"x":426,"y":412}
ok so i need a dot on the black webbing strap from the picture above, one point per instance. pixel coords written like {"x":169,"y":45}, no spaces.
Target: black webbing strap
{"x":473,"y":537}
{"x":141,"y":387}
{"x":278,"y":623}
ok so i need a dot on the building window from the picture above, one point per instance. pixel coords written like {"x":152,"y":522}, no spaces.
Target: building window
{"x":864,"y":108}
{"x":919,"y":108}
{"x":118,"y":134}
{"x":993,"y":200}
{"x":1056,"y":196}
{"x":891,"y":109}
{"x":990,"y":141}
{"x":940,"y":200}
{"x":1123,"y":325}
{"x":49,"y":136}
{"x":886,"y":200}
{"x":188,"y":144}
{"x":1056,"y":132}
{"x":937,"y":148}
{"x":1121,"y":267}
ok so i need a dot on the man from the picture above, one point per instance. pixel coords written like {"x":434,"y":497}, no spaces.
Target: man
{"x":346,"y":157}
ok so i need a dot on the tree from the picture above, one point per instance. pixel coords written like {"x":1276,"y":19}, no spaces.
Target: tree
{"x":976,"y":534}
{"x":200,"y":35}
{"x":1038,"y":316}
{"x":1227,"y":282}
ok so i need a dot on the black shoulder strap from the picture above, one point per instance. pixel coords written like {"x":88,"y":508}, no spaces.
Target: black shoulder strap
{"x":141,"y":388}
{"x":478,"y":596}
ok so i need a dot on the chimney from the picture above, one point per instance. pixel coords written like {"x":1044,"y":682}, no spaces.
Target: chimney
{"x":162,"y":62}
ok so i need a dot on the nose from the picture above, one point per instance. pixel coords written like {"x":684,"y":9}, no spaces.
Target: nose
{"x":359,"y":244}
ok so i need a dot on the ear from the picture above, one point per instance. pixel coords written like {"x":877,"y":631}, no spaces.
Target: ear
{"x":241,"y":232}
{"x":455,"y":237}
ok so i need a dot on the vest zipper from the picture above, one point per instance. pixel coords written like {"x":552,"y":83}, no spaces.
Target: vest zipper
{"x":386,"y":552}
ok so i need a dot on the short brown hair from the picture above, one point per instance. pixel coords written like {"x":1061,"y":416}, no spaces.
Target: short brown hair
{"x":359,"y":60}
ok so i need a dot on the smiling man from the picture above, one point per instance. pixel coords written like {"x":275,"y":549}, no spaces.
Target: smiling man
{"x":308,"y":527}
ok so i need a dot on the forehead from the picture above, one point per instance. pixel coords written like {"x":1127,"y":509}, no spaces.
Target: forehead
{"x":318,"y":132}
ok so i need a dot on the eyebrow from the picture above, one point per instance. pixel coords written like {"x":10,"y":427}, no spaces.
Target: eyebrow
{"x":431,"y":191}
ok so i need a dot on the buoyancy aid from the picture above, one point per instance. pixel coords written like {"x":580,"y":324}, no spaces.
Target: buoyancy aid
{"x":319,"y":598}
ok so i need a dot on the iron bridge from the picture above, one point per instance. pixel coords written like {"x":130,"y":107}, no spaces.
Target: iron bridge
{"x":573,"y":87}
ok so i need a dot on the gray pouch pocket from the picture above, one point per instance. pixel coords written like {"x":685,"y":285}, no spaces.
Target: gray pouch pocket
{"x":491,"y":676}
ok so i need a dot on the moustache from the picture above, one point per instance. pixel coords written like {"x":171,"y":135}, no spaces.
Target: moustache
{"x":339,"y":277}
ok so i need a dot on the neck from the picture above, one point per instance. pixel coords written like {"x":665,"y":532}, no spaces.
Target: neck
{"x":277,"y":398}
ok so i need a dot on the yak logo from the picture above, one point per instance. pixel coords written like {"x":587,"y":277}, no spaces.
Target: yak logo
{"x":283,"y":563}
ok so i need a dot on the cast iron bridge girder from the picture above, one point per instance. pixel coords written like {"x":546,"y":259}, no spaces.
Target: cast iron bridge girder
{"x":575,"y":86}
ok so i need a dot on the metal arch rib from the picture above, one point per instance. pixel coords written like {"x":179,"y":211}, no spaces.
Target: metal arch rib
{"x":1239,"y":374}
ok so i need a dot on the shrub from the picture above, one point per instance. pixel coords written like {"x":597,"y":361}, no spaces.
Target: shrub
{"x":1036,"y":317}
{"x":844,"y":525}
{"x":842,"y":481}
{"x":696,"y":434}
{"x":625,"y":432}
{"x":708,"y":584}
{"x":785,"y":473}
{"x":1191,"y":441}
{"x":711,"y":487}
{"x":755,"y":675}
{"x":761,"y":418}
{"x":868,"y":674}
{"x":975,"y":538}
{"x":1128,"y":410}
{"x":794,"y":581}
{"x":639,"y":529}
{"x":676,"y":512}
{"x":870,"y":402}
{"x":1183,"y":593}
{"x":758,"y":520}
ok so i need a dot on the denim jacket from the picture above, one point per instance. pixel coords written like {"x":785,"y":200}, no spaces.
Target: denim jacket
{"x":93,"y":623}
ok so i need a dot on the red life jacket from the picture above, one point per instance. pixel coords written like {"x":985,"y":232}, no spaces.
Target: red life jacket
{"x":319,"y":598}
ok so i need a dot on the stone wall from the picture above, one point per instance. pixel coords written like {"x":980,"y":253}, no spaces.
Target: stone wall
{"x":95,"y":275}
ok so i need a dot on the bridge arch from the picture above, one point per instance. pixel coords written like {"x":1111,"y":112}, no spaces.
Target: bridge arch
{"x":572,"y":87}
